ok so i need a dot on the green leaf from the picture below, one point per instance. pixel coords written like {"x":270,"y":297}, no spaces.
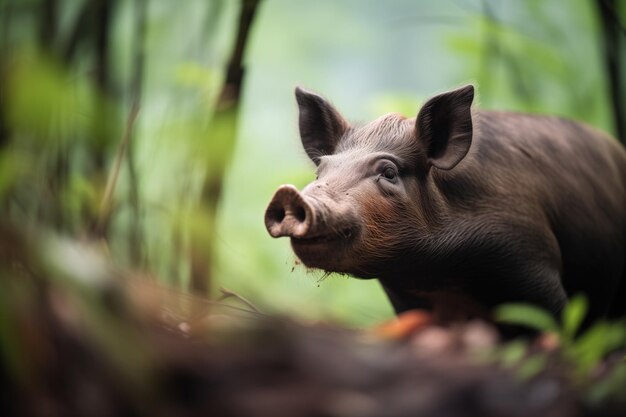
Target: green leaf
{"x":528,"y":316}
{"x":573,"y":315}
{"x":589,"y":349}
{"x":513,"y":353}
{"x":532,"y":366}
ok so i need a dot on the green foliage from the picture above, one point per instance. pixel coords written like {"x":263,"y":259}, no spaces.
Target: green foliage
{"x":12,"y":167}
{"x":572,"y":317}
{"x":527,"y":315}
{"x":44,"y":102}
{"x":582,"y":349}
{"x":587,"y":350}
{"x":522,"y":61}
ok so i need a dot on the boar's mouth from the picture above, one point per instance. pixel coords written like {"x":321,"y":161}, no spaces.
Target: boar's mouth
{"x":326,"y":251}
{"x":344,"y":234}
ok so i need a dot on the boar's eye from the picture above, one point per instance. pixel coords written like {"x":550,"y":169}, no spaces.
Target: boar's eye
{"x":389,"y":173}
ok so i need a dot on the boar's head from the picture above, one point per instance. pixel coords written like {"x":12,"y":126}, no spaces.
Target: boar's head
{"x":373,"y":203}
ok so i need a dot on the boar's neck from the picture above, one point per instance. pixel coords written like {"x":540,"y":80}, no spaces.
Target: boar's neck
{"x":454,"y":210}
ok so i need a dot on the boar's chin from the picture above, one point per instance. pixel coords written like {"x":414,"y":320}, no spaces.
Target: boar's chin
{"x":329,"y":252}
{"x":332,"y":255}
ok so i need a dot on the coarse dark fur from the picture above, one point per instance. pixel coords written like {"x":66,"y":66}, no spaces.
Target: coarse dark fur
{"x":462,"y":204}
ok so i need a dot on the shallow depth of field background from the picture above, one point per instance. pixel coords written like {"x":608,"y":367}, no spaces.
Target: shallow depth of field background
{"x":63,"y":127}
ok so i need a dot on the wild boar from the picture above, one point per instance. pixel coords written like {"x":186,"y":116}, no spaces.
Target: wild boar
{"x":459,"y":210}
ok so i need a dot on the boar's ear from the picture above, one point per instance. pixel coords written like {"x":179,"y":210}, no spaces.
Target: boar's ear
{"x":321,"y":126}
{"x":444,"y":125}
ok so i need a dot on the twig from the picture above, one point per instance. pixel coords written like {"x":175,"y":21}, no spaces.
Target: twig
{"x":48,"y":23}
{"x":105,"y":205}
{"x":231,"y":90}
{"x":78,"y":33}
{"x":136,"y":87}
{"x":227,"y":104}
{"x":228,"y":294}
{"x":102,"y":13}
{"x":613,"y":64}
{"x":614,"y":14}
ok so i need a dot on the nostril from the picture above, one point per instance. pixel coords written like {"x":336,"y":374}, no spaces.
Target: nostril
{"x":280,"y":214}
{"x":277,"y":214}
{"x":288,"y":214}
{"x":300,"y":214}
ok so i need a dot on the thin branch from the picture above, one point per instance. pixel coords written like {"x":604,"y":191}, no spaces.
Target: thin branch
{"x":102,"y":11}
{"x":6,"y":13}
{"x":78,"y":34}
{"x":613,"y":63}
{"x":614,"y":15}
{"x":231,"y":90}
{"x":107,"y":199}
{"x":195,"y":299}
{"x":136,"y":88}
{"x":227,"y":105}
{"x":490,"y":51}
{"x":48,"y":23}
{"x":230,"y":294}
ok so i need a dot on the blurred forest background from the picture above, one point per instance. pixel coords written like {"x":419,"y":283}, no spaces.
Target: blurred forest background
{"x":158,"y":130}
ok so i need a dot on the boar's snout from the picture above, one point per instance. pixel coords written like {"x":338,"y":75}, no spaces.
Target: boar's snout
{"x":288,"y":214}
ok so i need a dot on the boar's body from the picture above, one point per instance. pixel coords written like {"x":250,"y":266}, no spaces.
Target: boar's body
{"x":460,"y":210}
{"x":535,"y":212}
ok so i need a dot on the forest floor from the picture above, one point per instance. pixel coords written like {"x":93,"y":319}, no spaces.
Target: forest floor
{"x":92,"y":340}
